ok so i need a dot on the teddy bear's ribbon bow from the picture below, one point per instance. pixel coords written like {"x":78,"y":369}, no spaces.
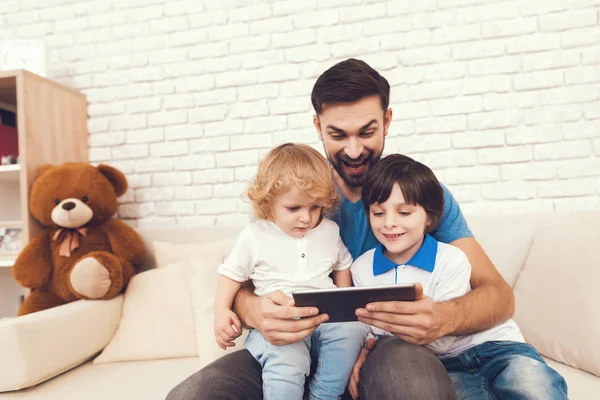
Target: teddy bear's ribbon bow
{"x":68,"y":240}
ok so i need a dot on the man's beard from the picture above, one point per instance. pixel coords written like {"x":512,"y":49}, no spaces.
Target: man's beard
{"x":340,"y":162}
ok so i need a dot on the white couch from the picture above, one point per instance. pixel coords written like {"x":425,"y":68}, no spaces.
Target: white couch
{"x":550,"y":260}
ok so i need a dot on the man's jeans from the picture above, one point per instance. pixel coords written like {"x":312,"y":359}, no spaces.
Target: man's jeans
{"x":504,"y":370}
{"x":394,"y":370}
{"x":334,"y":346}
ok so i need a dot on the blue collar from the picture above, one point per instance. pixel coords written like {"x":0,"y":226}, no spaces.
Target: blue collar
{"x":424,"y":258}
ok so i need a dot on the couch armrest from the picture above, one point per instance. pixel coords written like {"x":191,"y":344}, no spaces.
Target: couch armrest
{"x":39,"y":346}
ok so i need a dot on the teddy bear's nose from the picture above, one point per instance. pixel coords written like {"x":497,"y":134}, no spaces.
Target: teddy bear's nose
{"x":69,"y":205}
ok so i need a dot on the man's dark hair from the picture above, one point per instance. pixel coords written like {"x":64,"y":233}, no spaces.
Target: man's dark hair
{"x":347,"y":82}
{"x":417,"y":182}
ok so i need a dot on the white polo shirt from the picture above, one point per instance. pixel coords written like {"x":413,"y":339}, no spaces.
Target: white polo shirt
{"x":444,"y":271}
{"x":274,"y":260}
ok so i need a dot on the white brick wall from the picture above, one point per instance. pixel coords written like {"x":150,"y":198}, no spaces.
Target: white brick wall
{"x":500,"y":97}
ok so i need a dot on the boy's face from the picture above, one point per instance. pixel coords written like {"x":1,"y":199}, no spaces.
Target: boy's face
{"x":398,"y":226}
{"x":353,"y":136}
{"x":295,"y":213}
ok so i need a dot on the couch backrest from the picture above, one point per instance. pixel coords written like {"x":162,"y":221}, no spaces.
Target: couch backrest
{"x":185,"y":235}
{"x":505,"y":238}
{"x":556,"y":293}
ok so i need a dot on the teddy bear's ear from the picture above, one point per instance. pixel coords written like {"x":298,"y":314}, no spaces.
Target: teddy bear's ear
{"x":116,"y":178}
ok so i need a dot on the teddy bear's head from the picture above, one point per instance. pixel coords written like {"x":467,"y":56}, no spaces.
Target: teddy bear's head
{"x":74,"y":195}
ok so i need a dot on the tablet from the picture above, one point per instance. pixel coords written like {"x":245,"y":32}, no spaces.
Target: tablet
{"x":340,"y":303}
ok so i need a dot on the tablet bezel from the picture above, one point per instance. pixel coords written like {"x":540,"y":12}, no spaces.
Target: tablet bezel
{"x":341,"y":303}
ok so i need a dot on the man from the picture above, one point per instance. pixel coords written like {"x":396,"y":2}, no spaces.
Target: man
{"x":352,"y":119}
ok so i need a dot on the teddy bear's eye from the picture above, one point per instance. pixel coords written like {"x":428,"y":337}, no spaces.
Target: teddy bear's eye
{"x":57,"y":201}
{"x":84,"y":199}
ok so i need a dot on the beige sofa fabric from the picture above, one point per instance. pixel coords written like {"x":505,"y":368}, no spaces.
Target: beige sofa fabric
{"x":506,"y":246}
{"x":41,"y":345}
{"x":158,"y":319}
{"x":556,"y":294}
{"x":168,"y":253}
{"x":134,"y":380}
{"x":582,"y":385}
{"x":184,"y":235}
{"x":203,"y":288}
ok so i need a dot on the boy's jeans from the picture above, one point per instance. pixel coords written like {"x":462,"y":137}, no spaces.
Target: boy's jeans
{"x":335,"y":346}
{"x":504,"y":370}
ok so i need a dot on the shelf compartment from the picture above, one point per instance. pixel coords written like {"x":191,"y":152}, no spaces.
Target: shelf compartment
{"x":7,"y":261}
{"x":10,"y":172}
{"x":11,"y":224}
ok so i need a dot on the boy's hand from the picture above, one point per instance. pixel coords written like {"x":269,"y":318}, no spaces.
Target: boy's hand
{"x":227,"y":328}
{"x":355,"y":376}
{"x":417,"y":322}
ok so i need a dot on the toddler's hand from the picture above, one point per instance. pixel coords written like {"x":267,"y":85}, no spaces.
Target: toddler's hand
{"x":355,"y":376}
{"x":227,"y":328}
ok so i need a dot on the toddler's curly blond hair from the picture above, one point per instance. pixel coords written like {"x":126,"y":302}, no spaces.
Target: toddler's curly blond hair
{"x":292,"y":165}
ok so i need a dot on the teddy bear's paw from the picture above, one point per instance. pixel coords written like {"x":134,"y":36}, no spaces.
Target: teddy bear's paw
{"x":90,"y":279}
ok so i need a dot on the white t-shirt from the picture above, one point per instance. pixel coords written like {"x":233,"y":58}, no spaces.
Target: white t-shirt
{"x":274,"y":260}
{"x":444,"y":271}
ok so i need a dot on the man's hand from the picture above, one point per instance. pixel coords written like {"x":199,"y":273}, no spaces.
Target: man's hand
{"x":227,"y":328}
{"x":278,"y":320}
{"x":419,"y":322}
{"x":355,"y":377}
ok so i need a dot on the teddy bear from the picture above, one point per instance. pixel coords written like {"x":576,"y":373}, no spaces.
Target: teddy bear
{"x":83,"y":252}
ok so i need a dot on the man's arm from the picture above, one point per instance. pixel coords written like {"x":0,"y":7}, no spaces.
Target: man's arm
{"x":491,"y":300}
{"x":489,"y":303}
{"x":275,"y":316}
{"x":243,"y":303}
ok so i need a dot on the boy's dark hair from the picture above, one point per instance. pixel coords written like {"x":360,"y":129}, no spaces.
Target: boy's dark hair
{"x":349,"y":81}
{"x":417,"y":182}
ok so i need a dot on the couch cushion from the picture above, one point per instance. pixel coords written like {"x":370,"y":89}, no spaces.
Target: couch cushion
{"x":187,"y":235}
{"x":203,"y":288}
{"x":506,"y":246}
{"x":167,"y":253}
{"x":38,"y":346}
{"x":148,"y":380}
{"x":580,"y":384}
{"x":557,"y":291}
{"x":158,"y":320}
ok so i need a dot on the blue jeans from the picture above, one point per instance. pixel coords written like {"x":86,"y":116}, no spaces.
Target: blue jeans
{"x":335,"y":346}
{"x":394,"y":370}
{"x":504,"y":370}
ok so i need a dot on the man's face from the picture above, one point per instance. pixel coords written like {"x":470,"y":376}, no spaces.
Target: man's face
{"x":353,"y":136}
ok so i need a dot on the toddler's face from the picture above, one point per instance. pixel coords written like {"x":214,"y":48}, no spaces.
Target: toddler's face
{"x":399,"y":226}
{"x":295,"y":212}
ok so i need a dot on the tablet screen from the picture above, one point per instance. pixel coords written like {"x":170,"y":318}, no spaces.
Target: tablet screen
{"x":340,"y":303}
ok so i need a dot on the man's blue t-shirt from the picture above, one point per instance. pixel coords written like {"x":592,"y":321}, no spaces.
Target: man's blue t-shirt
{"x":358,"y":237}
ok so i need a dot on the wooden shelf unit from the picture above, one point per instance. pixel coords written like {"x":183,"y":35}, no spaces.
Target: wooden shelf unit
{"x":51,"y":129}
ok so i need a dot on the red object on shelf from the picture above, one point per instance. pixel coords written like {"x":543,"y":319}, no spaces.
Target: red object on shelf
{"x":9,"y":142}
